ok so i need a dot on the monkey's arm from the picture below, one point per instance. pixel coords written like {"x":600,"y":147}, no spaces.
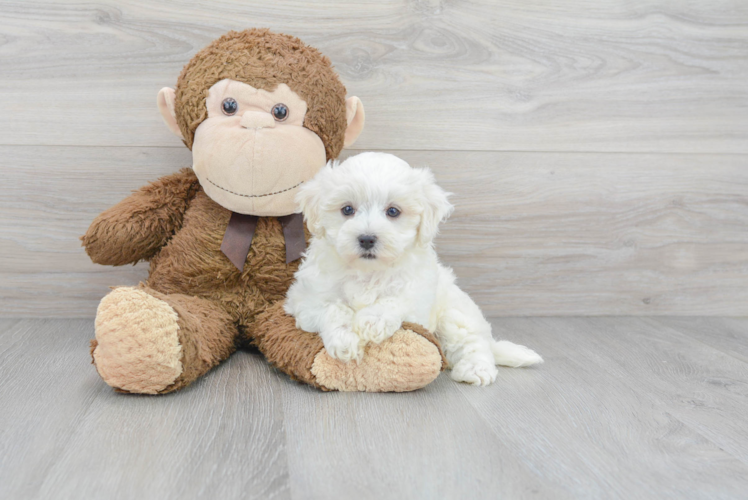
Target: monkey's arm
{"x":138,"y":226}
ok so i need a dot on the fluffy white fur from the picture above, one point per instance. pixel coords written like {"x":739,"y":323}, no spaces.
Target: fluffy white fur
{"x":351,"y":295}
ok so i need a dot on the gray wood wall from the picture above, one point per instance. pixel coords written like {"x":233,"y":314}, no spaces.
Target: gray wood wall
{"x":598,"y":149}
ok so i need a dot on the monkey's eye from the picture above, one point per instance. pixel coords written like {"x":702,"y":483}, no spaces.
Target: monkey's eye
{"x":229,"y":106}
{"x":280,"y":112}
{"x":348,"y":210}
{"x":393,"y":212}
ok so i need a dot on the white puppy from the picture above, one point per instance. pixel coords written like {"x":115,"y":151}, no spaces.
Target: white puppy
{"x":371,"y":265}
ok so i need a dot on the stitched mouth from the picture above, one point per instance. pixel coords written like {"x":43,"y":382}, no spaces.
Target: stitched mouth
{"x":256,"y":195}
{"x":368,"y":256}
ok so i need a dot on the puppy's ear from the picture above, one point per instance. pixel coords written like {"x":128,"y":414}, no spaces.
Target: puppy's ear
{"x":436,"y":208}
{"x":309,"y":199}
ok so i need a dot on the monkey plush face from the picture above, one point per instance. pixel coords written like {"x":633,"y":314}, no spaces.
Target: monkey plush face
{"x":262,"y":113}
{"x":253,"y":152}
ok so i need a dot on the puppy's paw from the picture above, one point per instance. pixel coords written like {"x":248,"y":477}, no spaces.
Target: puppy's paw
{"x":343,"y":344}
{"x":374,"y":325}
{"x":474,"y":371}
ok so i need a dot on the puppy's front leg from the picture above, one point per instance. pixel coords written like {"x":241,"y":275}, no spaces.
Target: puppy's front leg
{"x":336,"y":334}
{"x":378,"y":321}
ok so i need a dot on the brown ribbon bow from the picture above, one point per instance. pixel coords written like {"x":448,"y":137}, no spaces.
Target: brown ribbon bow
{"x":237,"y":239}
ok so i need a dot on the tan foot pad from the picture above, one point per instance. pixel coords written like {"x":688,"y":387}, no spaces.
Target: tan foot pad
{"x":407,"y":361}
{"x":137,"y":345}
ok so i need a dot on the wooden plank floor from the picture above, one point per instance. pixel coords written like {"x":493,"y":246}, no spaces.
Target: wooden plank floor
{"x":622,"y":408}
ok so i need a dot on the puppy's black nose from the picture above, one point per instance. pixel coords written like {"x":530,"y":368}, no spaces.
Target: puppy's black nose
{"x":366,"y":241}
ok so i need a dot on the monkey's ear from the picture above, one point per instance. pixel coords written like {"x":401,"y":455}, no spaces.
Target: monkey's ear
{"x":354,"y":115}
{"x":166,"y":100}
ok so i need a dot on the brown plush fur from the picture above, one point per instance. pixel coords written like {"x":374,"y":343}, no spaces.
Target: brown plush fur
{"x":206,"y":332}
{"x":179,"y":229}
{"x":291,"y":350}
{"x":264,"y":60}
{"x":192,"y":263}
{"x":217,"y":306}
{"x":137,"y":227}
{"x":214,"y":301}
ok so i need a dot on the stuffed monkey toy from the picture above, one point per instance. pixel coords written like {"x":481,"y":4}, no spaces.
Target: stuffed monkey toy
{"x":261,"y":113}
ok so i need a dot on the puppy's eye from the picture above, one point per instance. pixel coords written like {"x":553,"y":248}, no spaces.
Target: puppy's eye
{"x":280,"y":112}
{"x":348,"y":210}
{"x":229,"y":106}
{"x":393,"y":212}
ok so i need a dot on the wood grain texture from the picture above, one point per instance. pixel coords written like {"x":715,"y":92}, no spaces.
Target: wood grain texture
{"x":533,"y":233}
{"x":427,"y":444}
{"x":587,"y":75}
{"x":550,"y":234}
{"x":64,"y":434}
{"x":729,"y":335}
{"x":574,"y":414}
{"x":47,"y":389}
{"x":488,"y":93}
{"x":227,"y":442}
{"x":622,"y":408}
{"x":701,"y":386}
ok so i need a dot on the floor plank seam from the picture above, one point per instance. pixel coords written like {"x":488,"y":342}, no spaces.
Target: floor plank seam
{"x":65,"y":445}
{"x":695,"y":339}
{"x":598,"y":357}
{"x":417,"y":150}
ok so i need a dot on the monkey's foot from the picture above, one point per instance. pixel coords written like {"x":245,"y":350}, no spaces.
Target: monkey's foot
{"x":137,"y":345}
{"x":409,"y":360}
